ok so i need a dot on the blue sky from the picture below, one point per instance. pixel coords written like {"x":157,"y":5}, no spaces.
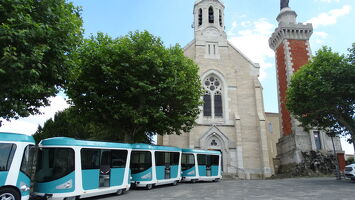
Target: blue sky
{"x":249,"y":24}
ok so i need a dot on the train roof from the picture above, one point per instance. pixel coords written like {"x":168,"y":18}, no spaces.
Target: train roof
{"x":201,"y":151}
{"x":154,"y":147}
{"x":65,"y":141}
{"x":16,"y":137}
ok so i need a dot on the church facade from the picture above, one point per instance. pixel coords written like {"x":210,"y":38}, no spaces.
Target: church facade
{"x":232,"y":118}
{"x":254,"y":144}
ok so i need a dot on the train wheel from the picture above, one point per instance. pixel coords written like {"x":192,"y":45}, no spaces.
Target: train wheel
{"x":216,"y":180}
{"x":193,"y":180}
{"x":119,"y":192}
{"x":174,"y":183}
{"x":9,"y":194}
{"x":149,"y":186}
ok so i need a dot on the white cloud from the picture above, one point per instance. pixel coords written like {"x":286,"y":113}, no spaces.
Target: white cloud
{"x":252,"y":40}
{"x":29,"y":125}
{"x":330,"y":17}
{"x":319,"y":37}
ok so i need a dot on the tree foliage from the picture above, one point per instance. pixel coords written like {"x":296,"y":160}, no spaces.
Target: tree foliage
{"x":64,"y":124}
{"x":135,"y":85}
{"x":68,"y":123}
{"x":36,"y":38}
{"x":322,"y":93}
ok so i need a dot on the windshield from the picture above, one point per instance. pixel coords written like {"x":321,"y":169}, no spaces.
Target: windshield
{"x":54,"y":163}
{"x":7,"y":152}
{"x":28,"y":160}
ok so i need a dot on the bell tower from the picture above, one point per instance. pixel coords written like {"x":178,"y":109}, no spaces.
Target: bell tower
{"x":208,"y":13}
{"x":209,"y":27}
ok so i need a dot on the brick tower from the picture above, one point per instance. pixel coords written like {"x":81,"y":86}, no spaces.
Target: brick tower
{"x":290,"y":41}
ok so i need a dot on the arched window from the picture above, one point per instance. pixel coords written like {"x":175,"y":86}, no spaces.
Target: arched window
{"x":210,"y":15}
{"x":220,"y":18}
{"x":200,"y":17}
{"x":213,"y":106}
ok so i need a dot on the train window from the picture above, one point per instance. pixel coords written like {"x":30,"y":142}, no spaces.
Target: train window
{"x":118,"y":158}
{"x":54,"y":163}
{"x":140,"y":161}
{"x":90,"y":158}
{"x":27,"y":160}
{"x":175,"y":156}
{"x":215,"y":160}
{"x":201,"y":159}
{"x":187,"y":161}
{"x":208,"y":160}
{"x":159,"y":158}
{"x":166,"y":158}
{"x":7,"y":152}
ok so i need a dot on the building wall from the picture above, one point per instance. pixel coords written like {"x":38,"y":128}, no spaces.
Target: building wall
{"x":273,"y":136}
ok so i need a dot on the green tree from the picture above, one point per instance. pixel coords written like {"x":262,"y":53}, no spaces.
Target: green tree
{"x":64,"y":124}
{"x":135,"y":85}
{"x":68,"y":123}
{"x":36,"y":38}
{"x":322,"y":93}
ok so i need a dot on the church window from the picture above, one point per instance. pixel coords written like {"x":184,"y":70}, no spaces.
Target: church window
{"x":270,"y":127}
{"x":213,"y":143}
{"x":200,"y":17}
{"x":213,"y":104}
{"x":212,"y":50}
{"x":207,"y":111}
{"x":220,"y":18}
{"x":218,"y":105}
{"x":210,"y":15}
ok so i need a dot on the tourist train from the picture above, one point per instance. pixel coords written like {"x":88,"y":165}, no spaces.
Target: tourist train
{"x":70,"y":169}
{"x":155,"y":165}
{"x":16,"y":161}
{"x":201,"y":165}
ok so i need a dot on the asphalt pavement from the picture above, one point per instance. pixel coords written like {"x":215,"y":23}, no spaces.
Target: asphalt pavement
{"x":327,"y":188}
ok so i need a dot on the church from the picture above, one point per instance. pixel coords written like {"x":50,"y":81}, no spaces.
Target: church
{"x":232,"y":118}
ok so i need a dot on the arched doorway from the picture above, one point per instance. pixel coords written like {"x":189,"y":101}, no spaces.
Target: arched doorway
{"x":214,"y":139}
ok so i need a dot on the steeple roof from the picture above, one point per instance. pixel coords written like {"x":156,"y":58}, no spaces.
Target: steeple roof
{"x":199,"y":1}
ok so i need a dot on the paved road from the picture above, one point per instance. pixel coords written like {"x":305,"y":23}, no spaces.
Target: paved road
{"x":281,"y":189}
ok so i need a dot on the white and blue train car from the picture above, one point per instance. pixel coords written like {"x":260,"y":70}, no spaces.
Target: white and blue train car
{"x":155,"y":165}
{"x":16,"y":159}
{"x":201,"y":165}
{"x":70,"y":169}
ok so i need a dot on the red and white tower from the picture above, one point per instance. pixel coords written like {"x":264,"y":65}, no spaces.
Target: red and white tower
{"x":290,"y":41}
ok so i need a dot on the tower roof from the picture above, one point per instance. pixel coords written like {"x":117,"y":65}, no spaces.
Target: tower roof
{"x":199,"y":1}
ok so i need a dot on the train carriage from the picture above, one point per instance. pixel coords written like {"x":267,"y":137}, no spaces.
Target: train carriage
{"x":201,"y":165}
{"x":70,"y":169}
{"x":16,"y":160}
{"x":155,"y":165}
